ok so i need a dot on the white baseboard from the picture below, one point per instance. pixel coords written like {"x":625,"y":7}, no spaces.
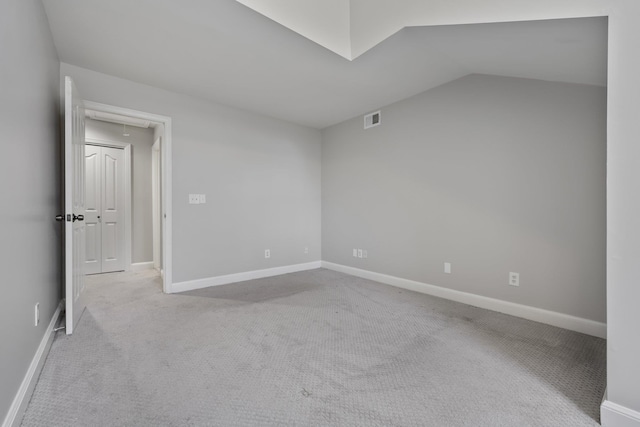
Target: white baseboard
{"x":140,"y":266}
{"x":578,"y":324}
{"x":614,"y":415}
{"x":21,"y":400}
{"x":241,"y":277}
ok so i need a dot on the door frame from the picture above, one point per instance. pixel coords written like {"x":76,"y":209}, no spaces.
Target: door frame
{"x":165,"y":153}
{"x":128,"y":214}
{"x":156,"y":188}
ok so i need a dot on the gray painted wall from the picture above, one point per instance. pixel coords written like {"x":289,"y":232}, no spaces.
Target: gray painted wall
{"x":261,"y":177}
{"x":492,"y":174}
{"x":141,"y":141}
{"x":623,"y":206}
{"x":30,"y":242}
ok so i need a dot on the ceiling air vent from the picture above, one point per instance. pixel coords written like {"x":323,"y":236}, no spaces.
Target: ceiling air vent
{"x":371,"y":120}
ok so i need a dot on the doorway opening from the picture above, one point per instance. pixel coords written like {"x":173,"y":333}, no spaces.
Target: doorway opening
{"x":132,"y":154}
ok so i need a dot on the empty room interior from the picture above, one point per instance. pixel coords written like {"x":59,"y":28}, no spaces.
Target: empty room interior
{"x":347,"y":212}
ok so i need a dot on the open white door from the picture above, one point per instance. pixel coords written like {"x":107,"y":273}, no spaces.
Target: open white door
{"x":73,"y":204}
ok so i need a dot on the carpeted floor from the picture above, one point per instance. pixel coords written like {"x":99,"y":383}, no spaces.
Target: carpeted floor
{"x":310,"y":348}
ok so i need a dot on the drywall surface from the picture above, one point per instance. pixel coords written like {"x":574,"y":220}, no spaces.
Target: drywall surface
{"x":31,"y":239}
{"x":623,"y":207}
{"x":261,"y":178}
{"x":141,"y":141}
{"x":326,"y":23}
{"x":491,"y":174}
{"x":373,"y":21}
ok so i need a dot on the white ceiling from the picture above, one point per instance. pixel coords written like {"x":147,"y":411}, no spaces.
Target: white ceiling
{"x":228,"y":53}
{"x":326,"y":22}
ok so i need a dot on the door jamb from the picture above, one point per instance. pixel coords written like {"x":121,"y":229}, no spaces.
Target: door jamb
{"x":156,"y":189}
{"x":165,"y":151}
{"x":128,"y":191}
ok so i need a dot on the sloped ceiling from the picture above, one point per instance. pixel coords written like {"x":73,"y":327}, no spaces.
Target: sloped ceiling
{"x":228,"y":53}
{"x":326,"y":22}
{"x":352,"y":27}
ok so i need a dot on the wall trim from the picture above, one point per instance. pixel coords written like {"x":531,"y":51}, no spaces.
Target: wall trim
{"x":241,"y":277}
{"x":23,"y":396}
{"x":140,"y":266}
{"x":578,"y":324}
{"x":614,"y":415}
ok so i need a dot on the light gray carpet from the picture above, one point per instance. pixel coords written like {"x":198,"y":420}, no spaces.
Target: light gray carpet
{"x":310,"y":348}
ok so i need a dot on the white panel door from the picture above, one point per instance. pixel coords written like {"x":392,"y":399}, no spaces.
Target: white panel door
{"x":113,"y":244}
{"x":104,"y":212}
{"x":74,"y":205}
{"x":93,"y":202}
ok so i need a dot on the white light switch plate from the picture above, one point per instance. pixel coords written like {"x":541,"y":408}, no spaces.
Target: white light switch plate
{"x":203,"y":199}
{"x":514,"y":279}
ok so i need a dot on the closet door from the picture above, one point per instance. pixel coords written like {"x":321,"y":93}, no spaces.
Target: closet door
{"x":93,"y":195}
{"x":104,"y":214}
{"x":112,"y":203}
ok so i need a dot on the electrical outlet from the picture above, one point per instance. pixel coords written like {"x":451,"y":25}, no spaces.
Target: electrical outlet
{"x":203,"y":199}
{"x":359,"y":253}
{"x":514,"y":279}
{"x":355,"y":253}
{"x":306,"y":250}
{"x":364,"y":253}
{"x":447,"y":267}
{"x":194,"y":199}
{"x":267,"y":253}
{"x":37,"y":314}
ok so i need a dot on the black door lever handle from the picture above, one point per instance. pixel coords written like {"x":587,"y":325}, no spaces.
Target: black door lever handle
{"x":78,"y":217}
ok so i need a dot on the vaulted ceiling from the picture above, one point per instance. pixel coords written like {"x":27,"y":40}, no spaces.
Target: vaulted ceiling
{"x":227,"y":52}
